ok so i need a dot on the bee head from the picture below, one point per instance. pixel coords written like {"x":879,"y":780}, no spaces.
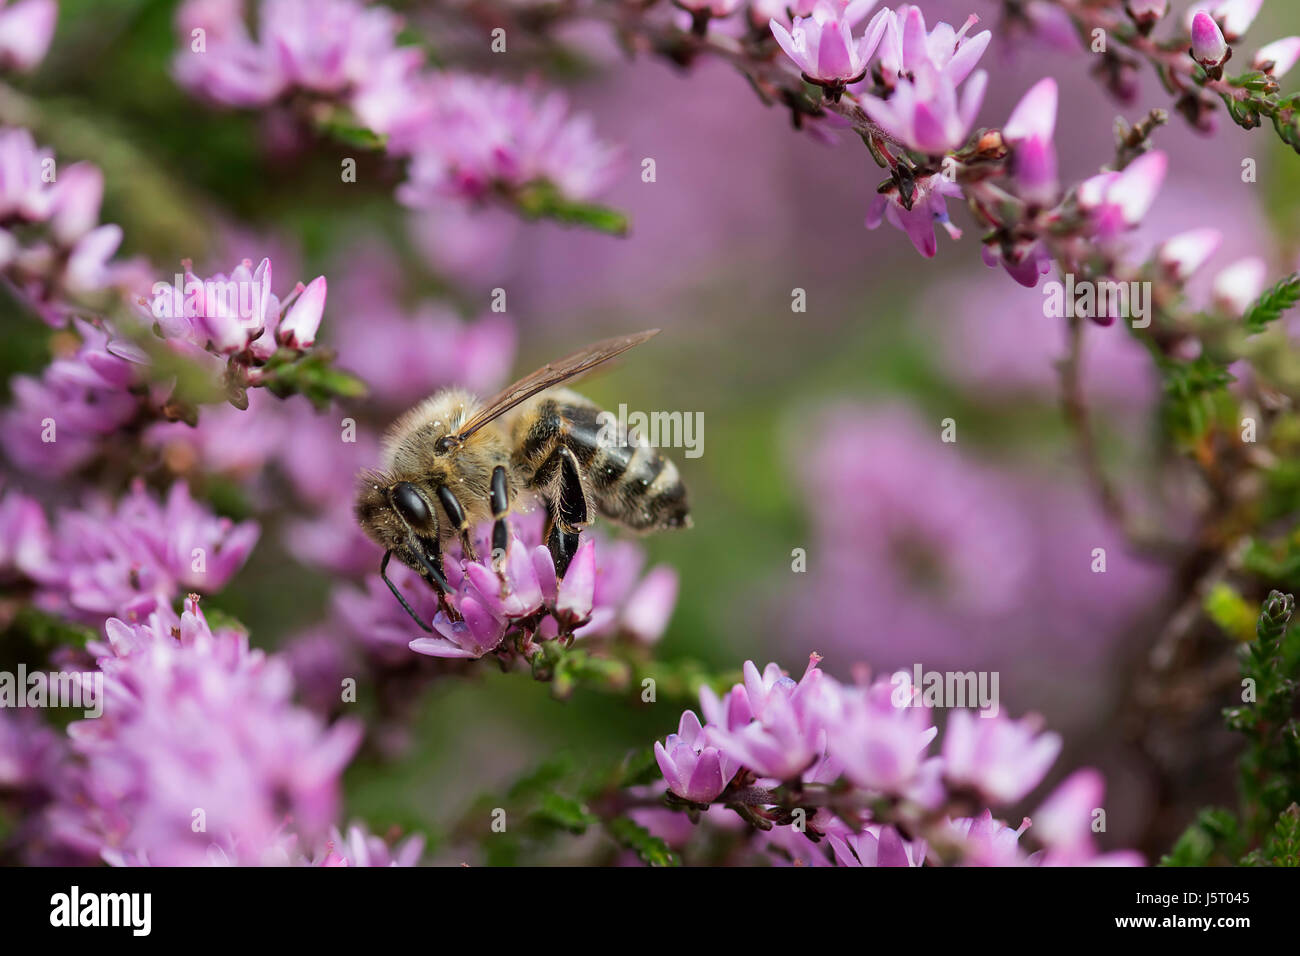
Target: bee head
{"x":390,"y":512}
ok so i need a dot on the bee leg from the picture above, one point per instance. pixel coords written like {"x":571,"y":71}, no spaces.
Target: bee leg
{"x":383,"y":573}
{"x":568,"y":510}
{"x":431,"y":562}
{"x":456,"y":512}
{"x":500,"y":499}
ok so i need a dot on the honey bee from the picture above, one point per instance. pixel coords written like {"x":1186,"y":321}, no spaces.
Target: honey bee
{"x":453,"y":461}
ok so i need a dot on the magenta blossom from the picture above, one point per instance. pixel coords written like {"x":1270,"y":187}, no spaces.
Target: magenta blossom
{"x":160,"y":788}
{"x":1278,"y":57}
{"x":26,"y":28}
{"x":360,"y":847}
{"x":128,"y":559}
{"x":907,"y":48}
{"x":877,"y":846}
{"x":1029,"y":133}
{"x":1001,"y":759}
{"x":822,"y":45}
{"x":694,"y":770}
{"x":1117,"y":202}
{"x":929,"y":208}
{"x":926,"y":113}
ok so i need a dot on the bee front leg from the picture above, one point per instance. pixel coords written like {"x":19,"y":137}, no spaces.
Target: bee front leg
{"x":428,"y":552}
{"x":456,"y":512}
{"x":383,"y":573}
{"x":568,"y":509}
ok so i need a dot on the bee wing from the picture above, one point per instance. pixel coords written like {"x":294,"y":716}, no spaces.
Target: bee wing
{"x":552,"y":374}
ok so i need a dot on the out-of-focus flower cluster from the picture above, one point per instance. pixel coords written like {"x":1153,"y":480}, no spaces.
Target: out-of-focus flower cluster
{"x":466,"y":137}
{"x":842,"y":772}
{"x":154,"y":783}
{"x":127,"y":559}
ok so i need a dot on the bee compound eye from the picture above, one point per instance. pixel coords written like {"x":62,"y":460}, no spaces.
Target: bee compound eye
{"x":410,"y":505}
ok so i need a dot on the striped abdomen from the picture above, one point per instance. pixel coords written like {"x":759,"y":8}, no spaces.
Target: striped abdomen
{"x":630,"y":484}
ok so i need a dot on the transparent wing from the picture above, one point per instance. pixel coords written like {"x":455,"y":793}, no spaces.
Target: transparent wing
{"x":552,"y":374}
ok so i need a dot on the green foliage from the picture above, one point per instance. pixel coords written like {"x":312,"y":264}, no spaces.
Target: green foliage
{"x":542,"y":200}
{"x":1272,"y":304}
{"x":631,"y":835}
{"x":1196,"y":398}
{"x":1215,"y":837}
{"x":1269,"y":767}
{"x":312,"y":375}
{"x":1283,"y":845}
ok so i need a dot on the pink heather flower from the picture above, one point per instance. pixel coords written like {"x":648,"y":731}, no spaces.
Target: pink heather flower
{"x":1025,"y":262}
{"x":646,"y":613}
{"x":576,"y":593}
{"x":1234,"y":16}
{"x":74,"y":202}
{"x":360,"y":847}
{"x":1029,"y":132}
{"x":822,"y":45}
{"x":851,"y":10}
{"x":485,"y":134}
{"x":24,"y":537}
{"x":59,"y":422}
{"x":1209,"y":48}
{"x":1278,"y":57}
{"x":25,"y":192}
{"x":297,"y":329}
{"x":517,"y":592}
{"x":1145,"y":13}
{"x":1000,"y":758}
{"x":877,"y":845}
{"x":341,"y":48}
{"x":26,"y":28}
{"x":989,"y":842}
{"x":929,"y":209}
{"x":478,"y":632}
{"x":1064,"y":824}
{"x":238,"y":313}
{"x":925,"y":113}
{"x":126,"y":559}
{"x":694,"y":770}
{"x":730,"y":711}
{"x":1238,"y":286}
{"x":403,"y":357}
{"x":785,"y":738}
{"x":907,"y":49}
{"x":878,"y":737}
{"x":1117,"y":202}
{"x":1183,"y":255}
{"x":152,"y":760}
{"x":714,"y":8}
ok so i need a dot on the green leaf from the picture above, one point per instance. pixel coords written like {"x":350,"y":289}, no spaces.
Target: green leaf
{"x":1214,"y":834}
{"x":1272,"y":304}
{"x":1283,"y":845}
{"x":49,"y":631}
{"x":542,"y":200}
{"x":631,"y":835}
{"x":564,"y":812}
{"x":1232,"y":612}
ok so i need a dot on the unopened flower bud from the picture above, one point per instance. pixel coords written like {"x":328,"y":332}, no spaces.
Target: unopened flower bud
{"x":1209,"y":48}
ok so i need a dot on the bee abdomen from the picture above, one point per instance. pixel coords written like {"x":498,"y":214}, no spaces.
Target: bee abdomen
{"x":631,"y":484}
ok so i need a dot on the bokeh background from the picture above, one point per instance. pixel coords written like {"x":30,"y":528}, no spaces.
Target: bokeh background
{"x":821,"y":427}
